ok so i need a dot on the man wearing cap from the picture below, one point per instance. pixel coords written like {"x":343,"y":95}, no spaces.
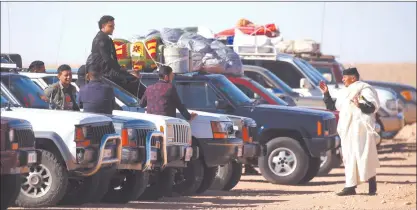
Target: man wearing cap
{"x":357,"y":105}
{"x":162,"y":97}
{"x":96,"y":96}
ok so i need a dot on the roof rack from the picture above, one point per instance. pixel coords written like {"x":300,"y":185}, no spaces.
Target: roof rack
{"x":255,"y":52}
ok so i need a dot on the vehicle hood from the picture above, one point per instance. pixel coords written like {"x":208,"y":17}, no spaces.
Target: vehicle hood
{"x":158,"y":120}
{"x":206,"y":116}
{"x":295,"y":110}
{"x":393,"y":85}
{"x":47,"y":120}
{"x":14,"y":122}
{"x":129,"y":122}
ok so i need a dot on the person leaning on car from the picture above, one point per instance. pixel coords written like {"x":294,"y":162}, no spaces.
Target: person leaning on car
{"x":162,"y":97}
{"x":62,"y":94}
{"x":96,"y":96}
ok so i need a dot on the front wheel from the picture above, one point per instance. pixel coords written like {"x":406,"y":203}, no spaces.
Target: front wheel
{"x":189,"y":179}
{"x":208,"y":179}
{"x":235,"y":177}
{"x":126,"y":185}
{"x":328,"y":161}
{"x":46,"y":182}
{"x":285,"y":162}
{"x":313,"y":169}
{"x":160,"y":184}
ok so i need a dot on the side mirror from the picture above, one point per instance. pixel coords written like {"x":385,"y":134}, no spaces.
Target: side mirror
{"x":328,"y":77}
{"x":305,"y":84}
{"x":221,"y":104}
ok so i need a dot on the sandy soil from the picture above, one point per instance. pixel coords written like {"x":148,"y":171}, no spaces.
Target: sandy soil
{"x":396,"y":188}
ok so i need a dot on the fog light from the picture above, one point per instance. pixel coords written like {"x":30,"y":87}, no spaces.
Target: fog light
{"x":84,"y":155}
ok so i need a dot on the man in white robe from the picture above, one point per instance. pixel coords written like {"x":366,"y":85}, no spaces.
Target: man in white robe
{"x":357,"y":105}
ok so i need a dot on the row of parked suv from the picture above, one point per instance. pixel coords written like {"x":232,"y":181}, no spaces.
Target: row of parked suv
{"x":130,"y":155}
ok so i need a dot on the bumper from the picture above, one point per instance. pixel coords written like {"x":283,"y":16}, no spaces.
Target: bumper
{"x":252,"y":151}
{"x":115,"y":152}
{"x":322,"y":144}
{"x":410,"y":113}
{"x":142,"y":158}
{"x":220,"y":151}
{"x":17,"y":161}
{"x":177,"y":156}
{"x":392,"y":123}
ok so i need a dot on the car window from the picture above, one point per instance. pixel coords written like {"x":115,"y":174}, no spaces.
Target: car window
{"x":233,"y":93}
{"x":285,"y":71}
{"x":196,"y":95}
{"x":26,"y":91}
{"x":326,"y":70}
{"x":124,"y":96}
{"x":247,"y":91}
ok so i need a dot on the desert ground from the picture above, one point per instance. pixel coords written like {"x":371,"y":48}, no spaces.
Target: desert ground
{"x":396,"y":188}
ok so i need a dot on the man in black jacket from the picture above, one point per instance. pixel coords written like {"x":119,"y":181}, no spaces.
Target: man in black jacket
{"x":103,"y":54}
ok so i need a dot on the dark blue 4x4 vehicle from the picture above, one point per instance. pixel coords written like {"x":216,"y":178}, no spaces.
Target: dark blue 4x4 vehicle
{"x":294,"y":136}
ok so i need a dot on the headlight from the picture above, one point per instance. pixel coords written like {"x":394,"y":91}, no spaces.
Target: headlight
{"x":11,"y":135}
{"x":408,"y":95}
{"x":222,"y":130}
{"x":391,"y":104}
{"x":169,"y":131}
{"x":81,"y":133}
{"x":129,"y":137}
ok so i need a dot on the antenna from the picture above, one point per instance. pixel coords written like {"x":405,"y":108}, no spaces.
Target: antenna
{"x":322,"y":23}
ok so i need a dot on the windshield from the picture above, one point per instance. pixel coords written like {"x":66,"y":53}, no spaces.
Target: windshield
{"x":326,"y":70}
{"x":231,"y":91}
{"x":308,"y":69}
{"x":50,"y":79}
{"x":125,"y":97}
{"x":25,"y":90}
{"x":281,"y":84}
{"x":269,"y":93}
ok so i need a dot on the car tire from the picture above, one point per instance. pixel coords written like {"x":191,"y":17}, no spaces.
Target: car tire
{"x":189,"y":179}
{"x":160,"y":184}
{"x":10,"y":189}
{"x":235,"y":177}
{"x":106,"y":175}
{"x":328,"y":161}
{"x":288,"y":149}
{"x":208,"y":179}
{"x":83,"y":189}
{"x":51,"y":170}
{"x":313,"y":169}
{"x":132,"y":186}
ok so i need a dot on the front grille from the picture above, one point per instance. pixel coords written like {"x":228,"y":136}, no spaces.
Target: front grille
{"x":95,"y":133}
{"x":25,"y":137}
{"x":331,"y":126}
{"x":142,"y":133}
{"x":182,"y":134}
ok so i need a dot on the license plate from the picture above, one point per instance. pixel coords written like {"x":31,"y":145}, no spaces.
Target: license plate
{"x":239,"y":151}
{"x":32,"y":157}
{"x":108,"y":153}
{"x":188,"y":154}
{"x":154,"y":155}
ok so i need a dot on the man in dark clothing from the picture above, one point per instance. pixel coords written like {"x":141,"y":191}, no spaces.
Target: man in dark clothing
{"x":103,"y":53}
{"x":162,"y":98}
{"x":81,"y":80}
{"x":96,"y":96}
{"x":37,"y":67}
{"x":352,"y":132}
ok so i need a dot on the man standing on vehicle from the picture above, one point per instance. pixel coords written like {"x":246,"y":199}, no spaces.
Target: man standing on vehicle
{"x":96,"y":96}
{"x":37,"y":67}
{"x":103,"y":53}
{"x":62,"y":93}
{"x":162,"y":97}
{"x":357,"y":105}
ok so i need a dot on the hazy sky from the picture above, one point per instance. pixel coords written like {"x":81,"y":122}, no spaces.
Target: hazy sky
{"x":356,"y":32}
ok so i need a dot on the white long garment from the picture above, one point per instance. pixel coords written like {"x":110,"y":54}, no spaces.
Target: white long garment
{"x":357,"y":133}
